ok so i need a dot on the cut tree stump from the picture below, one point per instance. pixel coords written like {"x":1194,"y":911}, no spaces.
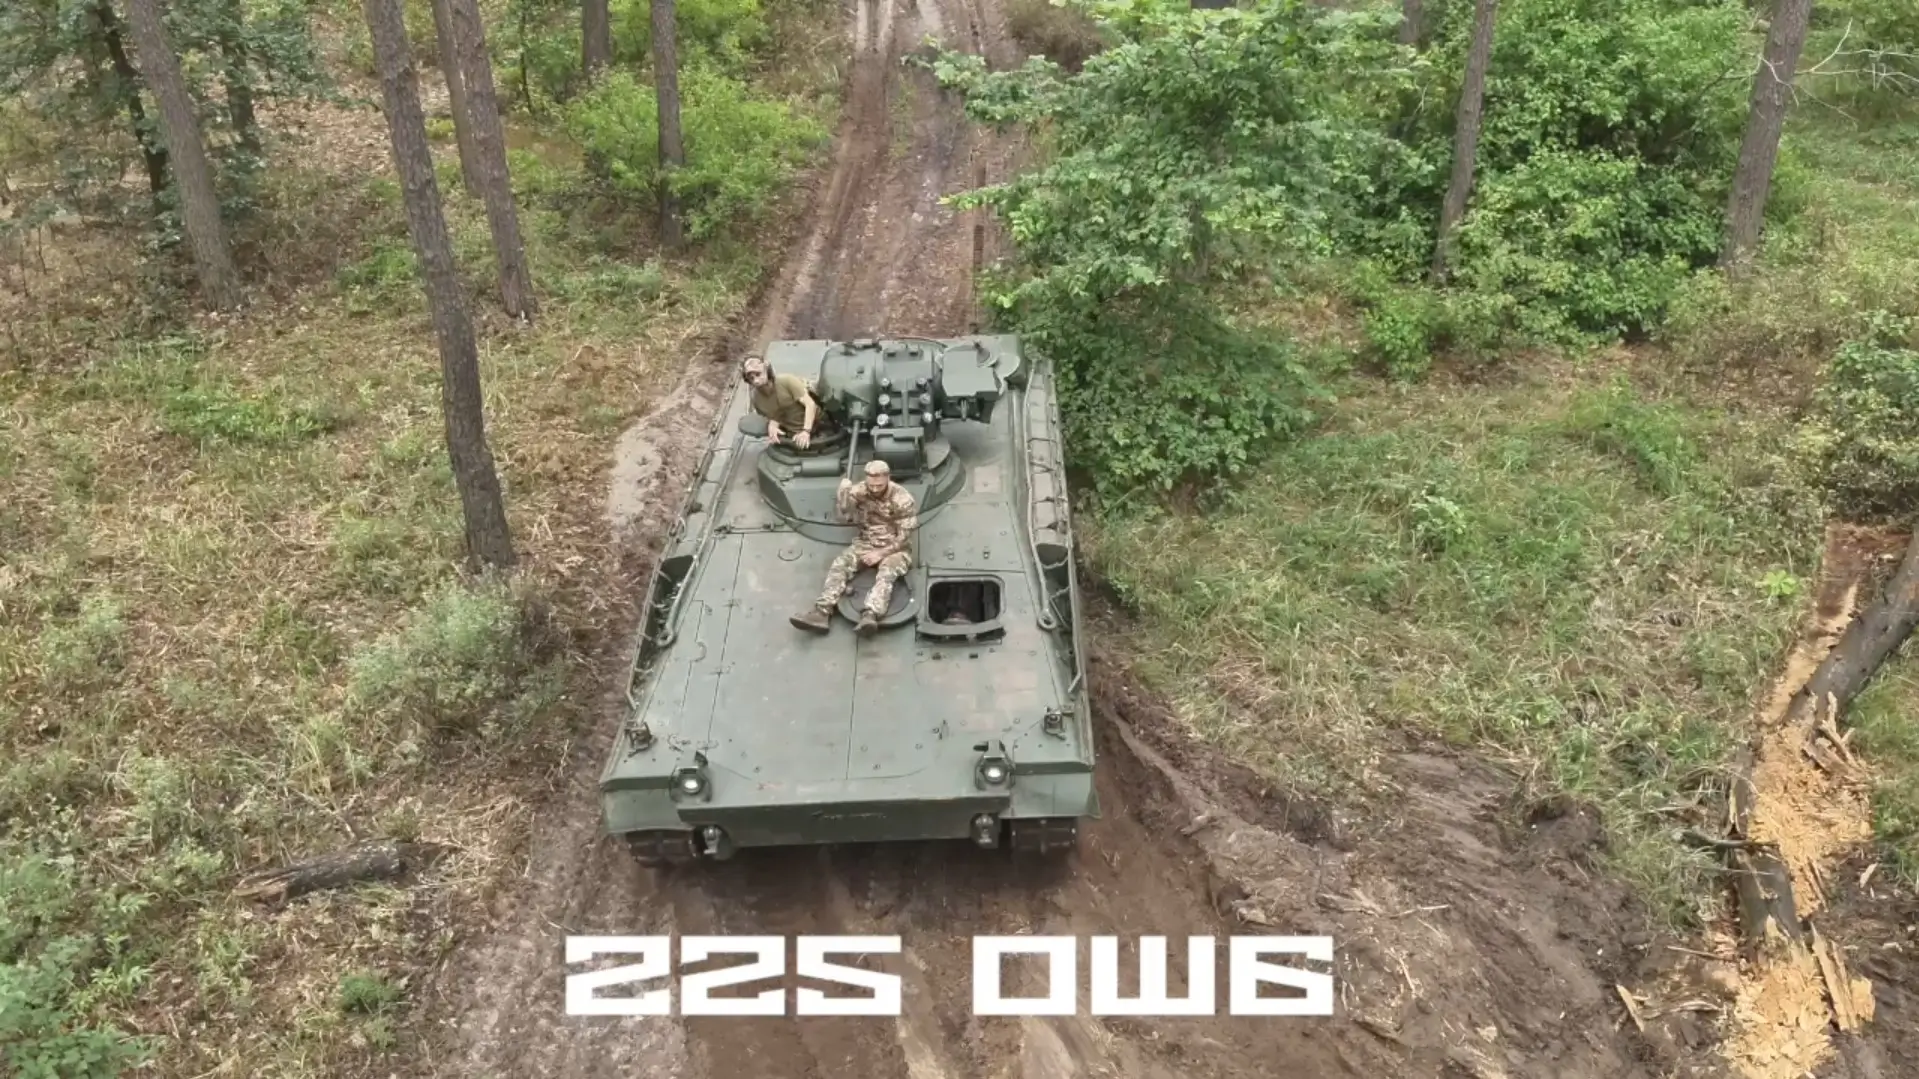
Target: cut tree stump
{"x":388,"y":860}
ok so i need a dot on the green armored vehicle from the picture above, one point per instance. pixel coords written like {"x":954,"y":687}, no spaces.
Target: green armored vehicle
{"x":962,"y":715}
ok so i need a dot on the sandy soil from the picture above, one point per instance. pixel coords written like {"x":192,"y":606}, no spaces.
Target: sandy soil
{"x":1467,"y":947}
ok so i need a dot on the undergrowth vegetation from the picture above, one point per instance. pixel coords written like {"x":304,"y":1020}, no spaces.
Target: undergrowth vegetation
{"x":1422,"y":507}
{"x":233,"y":633}
{"x":1298,"y":146}
{"x":741,"y":150}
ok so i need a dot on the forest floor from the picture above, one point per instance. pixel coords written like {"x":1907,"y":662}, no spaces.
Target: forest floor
{"x":1330,"y":715}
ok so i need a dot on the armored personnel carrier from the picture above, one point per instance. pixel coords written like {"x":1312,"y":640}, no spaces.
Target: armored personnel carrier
{"x":964,"y":716}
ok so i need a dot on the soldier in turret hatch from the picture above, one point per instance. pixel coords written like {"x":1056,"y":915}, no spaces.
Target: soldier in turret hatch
{"x":887,"y":516}
{"x":785,"y":400}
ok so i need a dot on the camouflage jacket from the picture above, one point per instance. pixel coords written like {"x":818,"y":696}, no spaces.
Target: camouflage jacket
{"x":884,"y":521}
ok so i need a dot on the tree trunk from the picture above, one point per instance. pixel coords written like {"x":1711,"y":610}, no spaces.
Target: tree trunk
{"x":1409,"y":27}
{"x":239,"y":76}
{"x":456,"y":96}
{"x":1868,"y":642}
{"x":489,"y":543}
{"x":596,"y":37}
{"x":596,"y":51}
{"x":1472,"y":97}
{"x":489,"y":145}
{"x":385,"y":860}
{"x":199,"y":201}
{"x":1759,"y":152}
{"x":152,"y":149}
{"x":666,"y":73}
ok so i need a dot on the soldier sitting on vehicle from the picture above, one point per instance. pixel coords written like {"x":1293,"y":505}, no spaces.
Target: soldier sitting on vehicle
{"x":785,"y":400}
{"x":886,"y":515}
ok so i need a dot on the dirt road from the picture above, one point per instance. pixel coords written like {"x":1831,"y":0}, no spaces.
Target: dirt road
{"x":1462,"y":951}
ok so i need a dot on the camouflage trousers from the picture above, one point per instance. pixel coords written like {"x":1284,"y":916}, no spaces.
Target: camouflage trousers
{"x":890,"y":569}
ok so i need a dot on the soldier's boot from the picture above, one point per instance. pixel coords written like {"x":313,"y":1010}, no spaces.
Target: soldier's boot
{"x":814,"y":620}
{"x":869,"y":624}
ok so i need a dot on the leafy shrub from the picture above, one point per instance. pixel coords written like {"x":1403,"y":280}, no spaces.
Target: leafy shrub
{"x":1162,"y":392}
{"x":1405,"y":326}
{"x":1609,"y":135}
{"x":740,"y":149}
{"x":726,"y":31}
{"x":1200,"y":145}
{"x":45,"y":1032}
{"x":541,"y":41}
{"x":458,"y":657}
{"x":1864,"y":443}
{"x":1585,"y":243}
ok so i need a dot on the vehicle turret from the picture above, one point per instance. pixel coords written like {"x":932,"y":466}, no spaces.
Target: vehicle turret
{"x":885,"y":400}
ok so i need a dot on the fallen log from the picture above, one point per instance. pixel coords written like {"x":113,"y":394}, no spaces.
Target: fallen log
{"x":386,"y":860}
{"x":1768,"y":915}
{"x":1868,"y":642}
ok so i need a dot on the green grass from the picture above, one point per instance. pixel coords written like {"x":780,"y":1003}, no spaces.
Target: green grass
{"x":1588,"y":585}
{"x":1886,"y":718}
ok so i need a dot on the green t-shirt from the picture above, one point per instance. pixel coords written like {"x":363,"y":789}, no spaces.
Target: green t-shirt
{"x":782,"y":400}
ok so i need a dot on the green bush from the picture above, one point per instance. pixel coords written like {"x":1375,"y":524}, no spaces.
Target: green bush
{"x":540,"y":41}
{"x":1406,"y":326}
{"x":46,"y":972}
{"x":1610,"y":132}
{"x":1202,"y":145}
{"x":741,"y":150}
{"x":1864,"y":442}
{"x":1162,"y":392}
{"x":459,"y":657}
{"x":727,"y":31}
{"x":1585,"y":242}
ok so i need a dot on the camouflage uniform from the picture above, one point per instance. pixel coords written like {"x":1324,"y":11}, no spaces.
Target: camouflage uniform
{"x":886,"y":522}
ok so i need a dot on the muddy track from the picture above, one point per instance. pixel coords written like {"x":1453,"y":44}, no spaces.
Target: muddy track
{"x":1461,"y":955}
